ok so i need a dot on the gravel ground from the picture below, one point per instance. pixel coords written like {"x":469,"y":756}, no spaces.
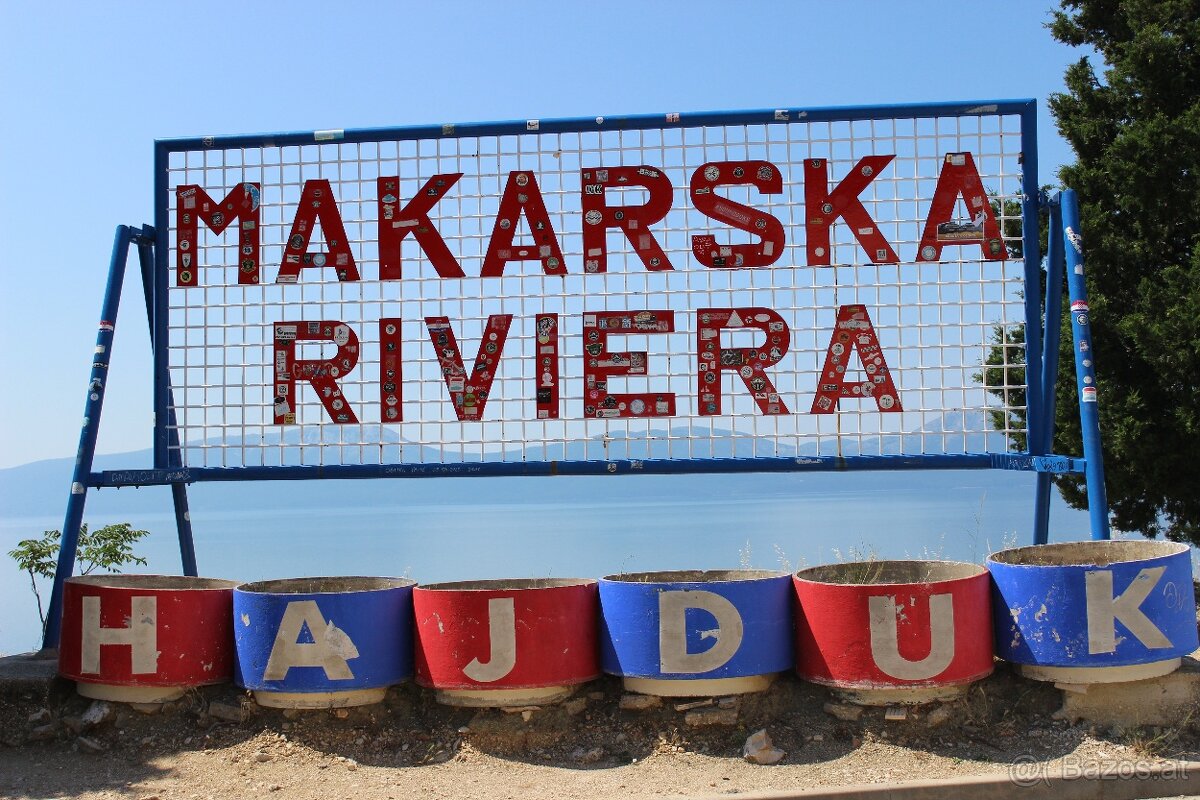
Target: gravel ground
{"x":216,"y":743}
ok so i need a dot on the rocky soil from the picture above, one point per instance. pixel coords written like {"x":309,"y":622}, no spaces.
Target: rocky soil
{"x":217,"y":743}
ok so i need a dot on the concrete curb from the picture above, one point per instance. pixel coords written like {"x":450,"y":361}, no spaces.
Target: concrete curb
{"x":31,"y":670}
{"x":1172,"y":779}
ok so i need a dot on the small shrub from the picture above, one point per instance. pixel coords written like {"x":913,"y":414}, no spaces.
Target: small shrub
{"x":108,"y":549}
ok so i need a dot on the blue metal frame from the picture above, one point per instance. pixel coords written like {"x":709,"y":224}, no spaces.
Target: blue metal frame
{"x":1025,"y":109}
{"x":1009,"y":461}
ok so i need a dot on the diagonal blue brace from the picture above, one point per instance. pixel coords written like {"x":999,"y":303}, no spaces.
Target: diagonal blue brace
{"x":1045,"y":434}
{"x":87,"y":436}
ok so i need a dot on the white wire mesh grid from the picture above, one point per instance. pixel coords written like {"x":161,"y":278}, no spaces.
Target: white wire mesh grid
{"x":936,"y":321}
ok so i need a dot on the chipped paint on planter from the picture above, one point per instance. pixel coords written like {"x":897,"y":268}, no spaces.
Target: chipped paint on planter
{"x":145,"y":638}
{"x":322,"y":642}
{"x":696,"y":633}
{"x":894,"y":632}
{"x":491,"y":643}
{"x":1095,"y":611}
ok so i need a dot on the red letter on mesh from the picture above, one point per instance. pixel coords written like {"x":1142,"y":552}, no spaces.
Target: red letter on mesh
{"x":823,"y":207}
{"x":395,"y":223}
{"x":748,"y":363}
{"x":322,"y":374}
{"x":469,"y":394}
{"x":854,"y":332}
{"x":959,"y":177}
{"x":317,"y":204}
{"x":764,"y":176}
{"x":522,"y":197}
{"x":633,"y":221}
{"x":599,"y":364}
{"x":192,"y":204}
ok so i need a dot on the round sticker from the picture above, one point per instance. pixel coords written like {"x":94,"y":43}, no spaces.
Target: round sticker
{"x":637,"y":406}
{"x":712,"y":172}
{"x":593,"y":217}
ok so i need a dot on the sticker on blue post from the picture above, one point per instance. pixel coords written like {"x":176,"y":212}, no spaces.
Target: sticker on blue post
{"x":321,"y":635}
{"x":1093,"y":604}
{"x":692,"y":625}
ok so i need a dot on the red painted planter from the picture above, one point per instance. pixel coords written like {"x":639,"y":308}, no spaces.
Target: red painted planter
{"x":894,"y":631}
{"x":506,"y":642}
{"x":146,"y":638}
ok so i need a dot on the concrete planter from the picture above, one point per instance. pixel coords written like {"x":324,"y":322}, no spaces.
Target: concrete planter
{"x":506,"y":642}
{"x":145,"y":638}
{"x":695,"y":634}
{"x":323,"y":642}
{"x":894,"y":632}
{"x":1094,"y":612}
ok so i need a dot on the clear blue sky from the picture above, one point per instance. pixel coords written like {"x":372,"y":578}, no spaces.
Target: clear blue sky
{"x":85,"y":88}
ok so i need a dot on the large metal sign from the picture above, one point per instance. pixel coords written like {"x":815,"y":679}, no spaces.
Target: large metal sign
{"x":786,"y":289}
{"x":784,"y":284}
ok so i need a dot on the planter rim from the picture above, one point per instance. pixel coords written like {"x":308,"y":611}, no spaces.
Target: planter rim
{"x":694,"y":576}
{"x":341,"y":584}
{"x":179,"y":583}
{"x":1091,"y":553}
{"x":506,"y":584}
{"x":889,"y":572}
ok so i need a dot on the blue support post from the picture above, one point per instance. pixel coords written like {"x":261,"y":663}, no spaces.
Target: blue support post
{"x":87,"y":437}
{"x":1054,"y":283}
{"x":183,"y":520}
{"x":1031,"y":251}
{"x":1085,"y":368}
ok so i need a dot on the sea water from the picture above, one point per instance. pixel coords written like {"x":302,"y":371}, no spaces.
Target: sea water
{"x":462,"y":529}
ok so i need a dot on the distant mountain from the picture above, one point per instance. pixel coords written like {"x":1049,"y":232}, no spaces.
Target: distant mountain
{"x":41,"y":488}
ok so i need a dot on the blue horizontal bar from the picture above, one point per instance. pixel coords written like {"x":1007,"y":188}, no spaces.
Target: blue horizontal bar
{"x":602,"y":123}
{"x":1013,"y":461}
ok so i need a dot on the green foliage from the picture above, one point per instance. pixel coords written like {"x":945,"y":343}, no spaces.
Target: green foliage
{"x":108,"y":549}
{"x":1003,"y":375}
{"x":1136,"y":133}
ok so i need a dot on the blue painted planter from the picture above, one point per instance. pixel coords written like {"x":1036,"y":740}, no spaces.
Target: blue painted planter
{"x":691,"y":633}
{"x":1094,"y":612}
{"x":323,"y":642}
